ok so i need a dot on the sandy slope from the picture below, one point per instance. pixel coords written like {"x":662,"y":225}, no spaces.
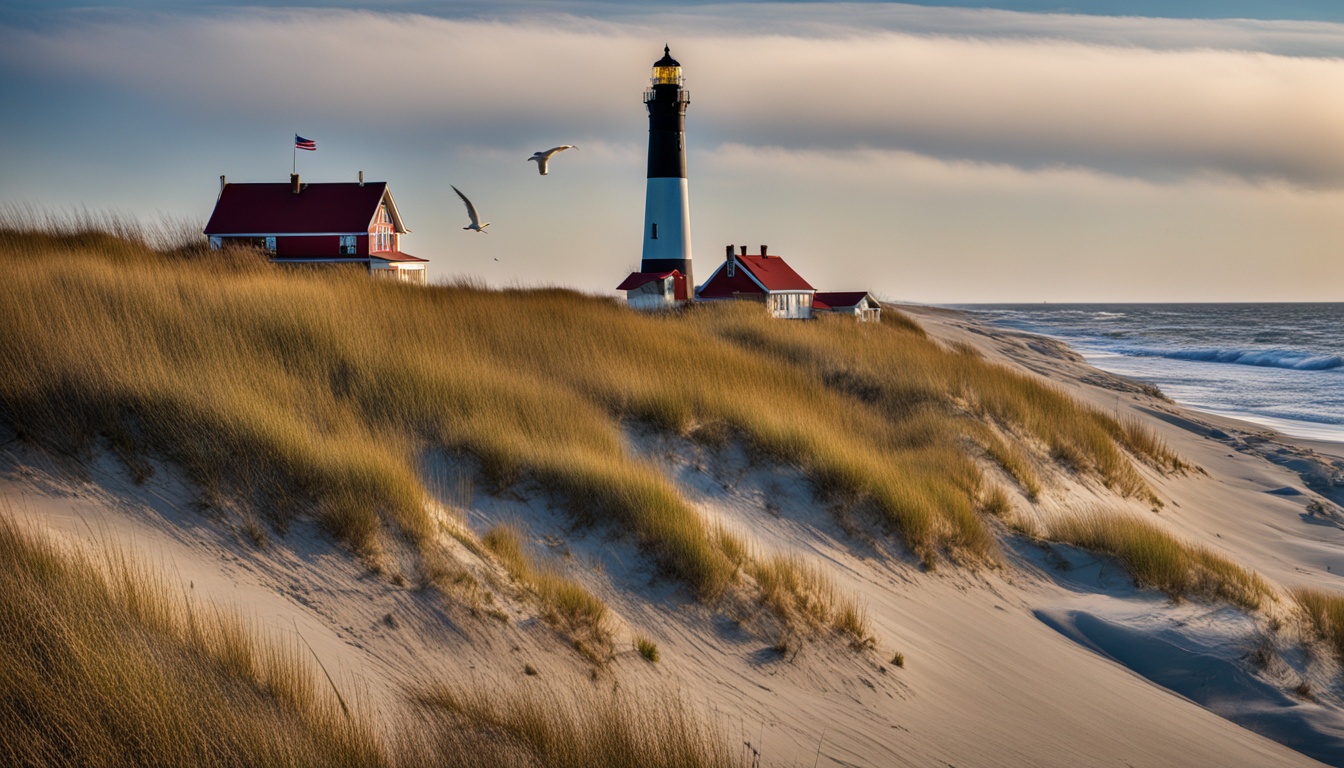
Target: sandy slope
{"x":1048,"y":661}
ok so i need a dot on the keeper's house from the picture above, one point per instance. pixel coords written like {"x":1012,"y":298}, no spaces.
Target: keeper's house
{"x":655,"y":290}
{"x":329,"y":223}
{"x":765,"y":278}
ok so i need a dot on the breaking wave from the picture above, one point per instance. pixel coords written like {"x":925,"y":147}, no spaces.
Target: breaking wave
{"x":1264,"y":358}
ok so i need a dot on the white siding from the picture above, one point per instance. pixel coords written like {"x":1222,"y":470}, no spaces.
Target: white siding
{"x":659,"y":294}
{"x":794,"y":305}
{"x":648,"y":301}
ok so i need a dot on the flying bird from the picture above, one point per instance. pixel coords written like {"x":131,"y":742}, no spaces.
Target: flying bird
{"x":471,"y":213}
{"x":544,"y":156}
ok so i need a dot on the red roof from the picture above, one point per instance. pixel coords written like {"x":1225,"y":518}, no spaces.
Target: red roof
{"x":273,"y":209}
{"x":774,"y":274}
{"x":834,"y":299}
{"x":637,"y":279}
{"x":769,"y":271}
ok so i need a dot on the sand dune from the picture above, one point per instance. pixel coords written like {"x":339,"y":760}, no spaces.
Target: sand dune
{"x":1054,"y":659}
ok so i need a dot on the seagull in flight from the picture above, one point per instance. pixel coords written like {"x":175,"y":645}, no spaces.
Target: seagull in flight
{"x":544,"y":156}
{"x":471,"y":212}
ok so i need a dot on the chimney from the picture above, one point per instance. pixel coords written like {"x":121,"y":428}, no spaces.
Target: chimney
{"x":294,"y":185}
{"x":744,"y":250}
{"x":222,"y":183}
{"x":361,"y":178}
{"x":728,"y":261}
{"x":763,"y":248}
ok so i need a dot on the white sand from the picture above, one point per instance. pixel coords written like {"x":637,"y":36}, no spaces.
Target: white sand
{"x":1031,"y":664}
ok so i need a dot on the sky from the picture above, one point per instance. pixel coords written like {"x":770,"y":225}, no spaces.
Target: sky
{"x":955,"y":152}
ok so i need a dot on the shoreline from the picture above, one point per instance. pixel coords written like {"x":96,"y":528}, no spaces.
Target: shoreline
{"x":1331,"y":445}
{"x":1317,"y":463}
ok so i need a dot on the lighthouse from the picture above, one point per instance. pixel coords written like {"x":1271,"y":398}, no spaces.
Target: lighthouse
{"x":667,"y":206}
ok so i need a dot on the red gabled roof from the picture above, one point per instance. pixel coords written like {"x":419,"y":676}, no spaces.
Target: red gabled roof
{"x":833,"y":299}
{"x":769,"y":271}
{"x":774,"y":274}
{"x":274,"y":209}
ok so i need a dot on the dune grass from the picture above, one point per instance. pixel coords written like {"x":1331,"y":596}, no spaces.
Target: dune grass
{"x":647,"y":648}
{"x":803,"y":596}
{"x":311,"y":392}
{"x":1158,"y":560}
{"x":560,"y":728}
{"x":102,"y":664}
{"x":565,"y":603}
{"x":1325,"y":611}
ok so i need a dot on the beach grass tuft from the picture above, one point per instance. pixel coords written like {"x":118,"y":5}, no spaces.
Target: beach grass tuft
{"x":1324,"y":610}
{"x":566,"y":604}
{"x":805,"y":598}
{"x":1159,"y":560}
{"x":647,"y":648}
{"x":568,"y":727}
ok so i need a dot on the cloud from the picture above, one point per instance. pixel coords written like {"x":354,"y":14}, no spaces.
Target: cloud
{"x":995,"y":96}
{"x":919,"y":227}
{"x":1034,"y":103}
{"x":1133,"y":30}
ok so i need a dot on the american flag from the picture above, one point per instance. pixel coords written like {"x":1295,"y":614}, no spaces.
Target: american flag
{"x":302,"y":143}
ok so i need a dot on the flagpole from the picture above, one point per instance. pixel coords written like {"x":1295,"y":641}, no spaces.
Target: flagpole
{"x":294,"y":155}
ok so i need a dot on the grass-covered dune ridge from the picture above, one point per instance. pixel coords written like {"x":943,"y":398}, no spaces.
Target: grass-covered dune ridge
{"x":1159,"y":560}
{"x":315,"y":391}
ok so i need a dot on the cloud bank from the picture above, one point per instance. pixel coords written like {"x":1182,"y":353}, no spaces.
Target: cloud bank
{"x":1154,"y":113}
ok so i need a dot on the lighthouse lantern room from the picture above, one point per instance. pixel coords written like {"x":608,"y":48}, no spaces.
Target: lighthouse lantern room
{"x":667,"y":209}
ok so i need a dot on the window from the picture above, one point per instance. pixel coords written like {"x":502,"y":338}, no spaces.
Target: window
{"x":347,"y":245}
{"x":270,"y":244}
{"x":654,"y":235}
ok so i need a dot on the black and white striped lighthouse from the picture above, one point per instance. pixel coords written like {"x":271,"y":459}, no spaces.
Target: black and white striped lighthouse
{"x":667,"y":207}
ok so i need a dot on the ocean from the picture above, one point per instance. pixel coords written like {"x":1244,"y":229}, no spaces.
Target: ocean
{"x":1279,"y":365}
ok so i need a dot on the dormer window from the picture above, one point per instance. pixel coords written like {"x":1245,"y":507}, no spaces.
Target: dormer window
{"x":347,"y":245}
